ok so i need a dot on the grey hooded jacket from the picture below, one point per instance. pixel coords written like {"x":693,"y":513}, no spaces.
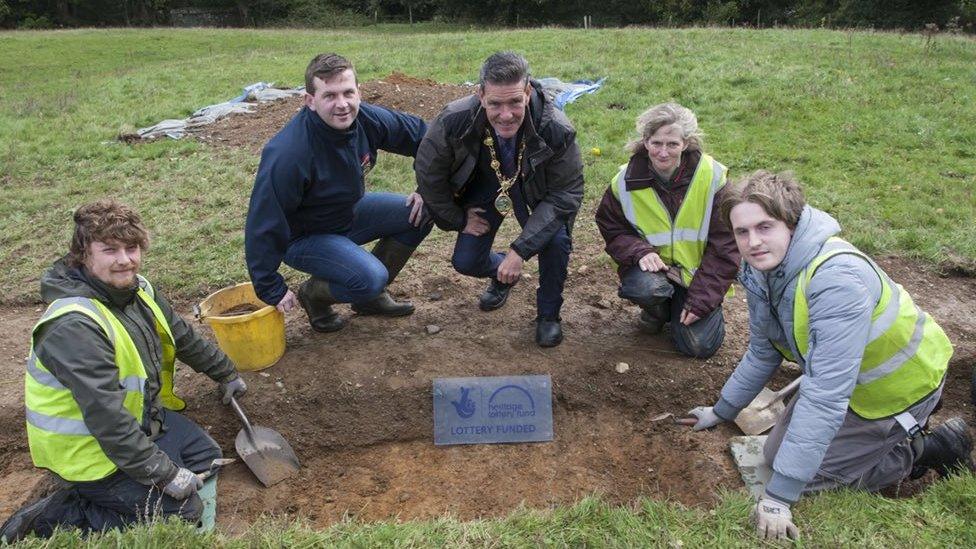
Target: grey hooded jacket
{"x":79,"y":354}
{"x":552,"y":174}
{"x":842,"y":296}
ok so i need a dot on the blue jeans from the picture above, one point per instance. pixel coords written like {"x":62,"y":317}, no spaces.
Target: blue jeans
{"x":118,"y":500}
{"x":355,"y":275}
{"x":473,"y":257}
{"x":701,"y":339}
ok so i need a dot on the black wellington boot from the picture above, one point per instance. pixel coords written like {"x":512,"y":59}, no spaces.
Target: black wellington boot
{"x":317,"y":300}
{"x":393,"y":255}
{"x":947,"y":448}
{"x":653,"y":317}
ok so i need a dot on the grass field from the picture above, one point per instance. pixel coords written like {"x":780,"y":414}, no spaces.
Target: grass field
{"x":878,"y":125}
{"x":873,"y":123}
{"x":942,"y":517}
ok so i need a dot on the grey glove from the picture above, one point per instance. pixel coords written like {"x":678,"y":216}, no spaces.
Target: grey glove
{"x":235,"y":387}
{"x":706,"y":418}
{"x":183,"y":485}
{"x":774,"y":520}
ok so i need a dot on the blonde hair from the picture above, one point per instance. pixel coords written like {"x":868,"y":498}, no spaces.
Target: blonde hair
{"x":666,"y":114}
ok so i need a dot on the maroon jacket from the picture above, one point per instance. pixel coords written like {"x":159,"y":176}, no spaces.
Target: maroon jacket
{"x":719,"y":265}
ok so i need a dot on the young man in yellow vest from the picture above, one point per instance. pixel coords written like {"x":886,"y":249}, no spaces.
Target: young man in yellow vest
{"x":873,"y":363}
{"x":99,"y":374}
{"x":676,"y":258}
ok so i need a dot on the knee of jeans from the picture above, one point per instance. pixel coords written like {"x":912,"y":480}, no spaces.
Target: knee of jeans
{"x":466,"y":264}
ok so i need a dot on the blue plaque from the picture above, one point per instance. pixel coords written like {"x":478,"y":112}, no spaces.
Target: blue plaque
{"x":477,"y":410}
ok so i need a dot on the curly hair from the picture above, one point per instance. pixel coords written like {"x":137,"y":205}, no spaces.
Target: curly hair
{"x":102,"y":221}
{"x":780,"y":195}
{"x":666,"y":114}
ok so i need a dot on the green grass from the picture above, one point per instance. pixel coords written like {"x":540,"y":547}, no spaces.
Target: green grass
{"x":943,"y":516}
{"x":877,"y":125}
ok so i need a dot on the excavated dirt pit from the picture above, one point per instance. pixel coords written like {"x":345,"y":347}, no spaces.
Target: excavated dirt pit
{"x":356,"y":405}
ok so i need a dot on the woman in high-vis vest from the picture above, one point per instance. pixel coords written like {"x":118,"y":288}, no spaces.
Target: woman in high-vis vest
{"x":676,"y":259}
{"x":873,"y":362}
{"x":98,"y":388}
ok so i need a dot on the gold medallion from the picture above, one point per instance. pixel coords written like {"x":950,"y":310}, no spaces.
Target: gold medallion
{"x":503,"y":203}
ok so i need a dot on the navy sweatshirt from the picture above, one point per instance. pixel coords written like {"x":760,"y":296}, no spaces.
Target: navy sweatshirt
{"x":310,"y":177}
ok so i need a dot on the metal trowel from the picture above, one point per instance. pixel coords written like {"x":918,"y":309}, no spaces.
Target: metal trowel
{"x":763,"y":412}
{"x":265,"y":452}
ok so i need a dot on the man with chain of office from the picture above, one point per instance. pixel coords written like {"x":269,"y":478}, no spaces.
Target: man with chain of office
{"x":506,"y":151}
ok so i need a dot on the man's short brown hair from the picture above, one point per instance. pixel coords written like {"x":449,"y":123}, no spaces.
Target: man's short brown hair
{"x":779,"y":194}
{"x":324,"y":66}
{"x":103,"y":221}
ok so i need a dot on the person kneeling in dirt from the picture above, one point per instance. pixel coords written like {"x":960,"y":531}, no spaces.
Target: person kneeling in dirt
{"x":309,"y":207}
{"x":506,"y":150}
{"x":873,"y":363}
{"x":676,"y":258}
{"x":99,"y":374}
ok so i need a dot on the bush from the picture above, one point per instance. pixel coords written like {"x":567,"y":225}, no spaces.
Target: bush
{"x":30,"y":22}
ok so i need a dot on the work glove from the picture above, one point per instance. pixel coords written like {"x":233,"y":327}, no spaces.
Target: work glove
{"x":774,"y":520}
{"x":183,"y":485}
{"x":235,"y":387}
{"x":706,"y":418}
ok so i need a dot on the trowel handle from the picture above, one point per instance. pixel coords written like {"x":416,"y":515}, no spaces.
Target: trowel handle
{"x":785,"y":391}
{"x":240,"y":414}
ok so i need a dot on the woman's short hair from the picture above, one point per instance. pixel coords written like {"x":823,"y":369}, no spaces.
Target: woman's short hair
{"x":666,"y":114}
{"x":779,"y":194}
{"x":103,"y":221}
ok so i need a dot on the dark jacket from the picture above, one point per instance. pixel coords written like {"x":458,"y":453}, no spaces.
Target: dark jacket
{"x":552,"y":172}
{"x":720,"y":262}
{"x":79,"y":354}
{"x":310,"y":178}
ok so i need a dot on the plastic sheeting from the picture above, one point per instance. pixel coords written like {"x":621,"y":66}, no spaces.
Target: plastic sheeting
{"x":567,"y":92}
{"x":260,"y":92}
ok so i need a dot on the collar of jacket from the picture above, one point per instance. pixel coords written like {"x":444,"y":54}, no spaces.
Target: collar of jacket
{"x":639,"y":174}
{"x":319,"y":128}
{"x":537,"y":150}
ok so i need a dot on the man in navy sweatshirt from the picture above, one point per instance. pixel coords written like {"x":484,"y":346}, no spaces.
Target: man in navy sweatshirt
{"x":309,"y":208}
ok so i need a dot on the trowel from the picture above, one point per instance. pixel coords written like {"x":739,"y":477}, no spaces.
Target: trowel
{"x":763,"y":412}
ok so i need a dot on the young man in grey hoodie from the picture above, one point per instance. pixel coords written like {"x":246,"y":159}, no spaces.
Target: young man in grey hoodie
{"x":873,"y":363}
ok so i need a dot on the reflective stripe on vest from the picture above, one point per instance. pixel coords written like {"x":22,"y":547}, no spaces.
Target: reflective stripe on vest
{"x":680,"y":242}
{"x":58,"y":437}
{"x":906,"y":355}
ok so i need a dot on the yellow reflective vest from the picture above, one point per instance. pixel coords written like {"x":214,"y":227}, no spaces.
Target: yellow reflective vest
{"x":907,"y":353}
{"x":57,"y":435}
{"x":680,"y":242}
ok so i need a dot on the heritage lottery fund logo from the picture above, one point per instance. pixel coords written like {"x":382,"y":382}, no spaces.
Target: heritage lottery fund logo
{"x":492,"y":409}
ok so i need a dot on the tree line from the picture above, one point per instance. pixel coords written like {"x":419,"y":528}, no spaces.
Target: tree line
{"x":950,"y":15}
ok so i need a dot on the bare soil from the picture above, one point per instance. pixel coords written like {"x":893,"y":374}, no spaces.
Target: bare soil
{"x":356,"y":404}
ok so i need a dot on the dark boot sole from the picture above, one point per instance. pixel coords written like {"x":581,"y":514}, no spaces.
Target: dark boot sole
{"x":391,"y":314}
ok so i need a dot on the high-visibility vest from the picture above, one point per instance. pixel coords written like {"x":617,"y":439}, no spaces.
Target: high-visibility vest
{"x":57,"y":435}
{"x":906,"y":355}
{"x":680,"y":242}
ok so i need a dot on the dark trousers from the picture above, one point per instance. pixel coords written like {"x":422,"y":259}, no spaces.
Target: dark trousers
{"x":652,"y":290}
{"x":473,"y":257}
{"x":117,"y":500}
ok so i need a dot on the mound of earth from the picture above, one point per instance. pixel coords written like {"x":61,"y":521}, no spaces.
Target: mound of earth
{"x":423,"y":98}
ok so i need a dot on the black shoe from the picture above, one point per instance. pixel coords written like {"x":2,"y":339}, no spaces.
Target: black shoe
{"x":384,"y":305}
{"x":494,"y":296}
{"x":548,"y":333}
{"x":21,"y":523}
{"x":649,"y":325}
{"x":947,"y":448}
{"x":314,"y":297}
